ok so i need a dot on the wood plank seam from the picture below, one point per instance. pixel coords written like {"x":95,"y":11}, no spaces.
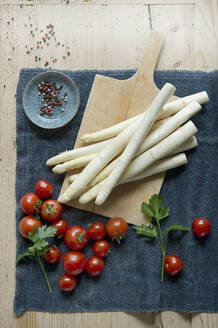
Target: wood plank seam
{"x":150,"y":17}
{"x":95,"y":4}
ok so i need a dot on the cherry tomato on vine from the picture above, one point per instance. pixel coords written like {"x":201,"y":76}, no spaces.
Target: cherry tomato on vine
{"x":74,"y":263}
{"x":101,"y":248}
{"x":51,"y":210}
{"x":94,"y":266}
{"x":67,"y":283}
{"x":173,"y":265}
{"x":201,"y":227}
{"x":97,"y":231}
{"x":43,"y":189}
{"x":27,"y":224}
{"x":76,"y":237}
{"x":53,"y":254}
{"x":117,"y":229}
{"x":30,"y":203}
{"x":61,"y":226}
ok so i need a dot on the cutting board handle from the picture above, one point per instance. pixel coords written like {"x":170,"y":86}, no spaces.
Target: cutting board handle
{"x":145,"y":89}
{"x":151,"y":55}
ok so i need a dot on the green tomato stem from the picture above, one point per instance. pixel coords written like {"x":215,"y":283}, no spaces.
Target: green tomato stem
{"x":45,"y":275}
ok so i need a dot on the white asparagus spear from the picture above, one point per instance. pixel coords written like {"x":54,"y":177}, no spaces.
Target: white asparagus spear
{"x":187,"y":145}
{"x":159,"y":128}
{"x":169,"y":126}
{"x":77,"y":152}
{"x":131,"y":149}
{"x":73,"y":164}
{"x":73,"y":177}
{"x":160,"y":150}
{"x":174,"y":106}
{"x":112,"y":131}
{"x":157,"y":135}
{"x":142,"y":162}
{"x":168,"y":110}
{"x":109,"y":132}
{"x":200,"y":97}
{"x":97,"y":164}
{"x":159,"y":166}
{"x":84,"y":160}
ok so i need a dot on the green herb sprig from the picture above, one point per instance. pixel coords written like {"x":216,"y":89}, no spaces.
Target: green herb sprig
{"x":40,"y":247}
{"x":155,"y":210}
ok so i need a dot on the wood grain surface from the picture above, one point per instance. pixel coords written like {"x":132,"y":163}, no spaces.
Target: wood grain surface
{"x":103,"y":35}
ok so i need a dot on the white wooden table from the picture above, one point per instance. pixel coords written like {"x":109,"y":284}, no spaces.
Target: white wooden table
{"x":104,"y":35}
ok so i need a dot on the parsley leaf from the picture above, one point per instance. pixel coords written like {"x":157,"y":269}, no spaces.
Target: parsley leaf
{"x":146,"y":210}
{"x":150,"y":231}
{"x":164,"y":212}
{"x":177,"y":227}
{"x":155,"y":203}
{"x":155,"y":210}
{"x":40,"y":233}
{"x":27,"y":253}
{"x":40,"y":246}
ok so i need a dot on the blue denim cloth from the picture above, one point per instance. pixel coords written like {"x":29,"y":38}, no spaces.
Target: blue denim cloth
{"x":131,"y":278}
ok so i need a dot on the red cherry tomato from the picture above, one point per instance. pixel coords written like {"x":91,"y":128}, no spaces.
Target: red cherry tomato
{"x":201,"y":227}
{"x":74,"y":263}
{"x":76,"y":237}
{"x":51,"y":210}
{"x":27,"y":224}
{"x":67,"y":283}
{"x":30,"y":203}
{"x":61,"y":226}
{"x":101,"y":248}
{"x":97,"y":231}
{"x":117,"y":229}
{"x":94,"y":266}
{"x":172,"y":265}
{"x":53,"y":254}
{"x":43,"y":189}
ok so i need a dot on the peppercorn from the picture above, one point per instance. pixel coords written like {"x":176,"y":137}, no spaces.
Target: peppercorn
{"x":50,"y":97}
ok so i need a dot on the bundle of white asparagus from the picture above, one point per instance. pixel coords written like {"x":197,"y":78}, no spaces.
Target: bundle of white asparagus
{"x":134,"y":149}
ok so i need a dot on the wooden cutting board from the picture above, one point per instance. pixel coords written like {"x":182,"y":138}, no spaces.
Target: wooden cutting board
{"x":112,"y":101}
